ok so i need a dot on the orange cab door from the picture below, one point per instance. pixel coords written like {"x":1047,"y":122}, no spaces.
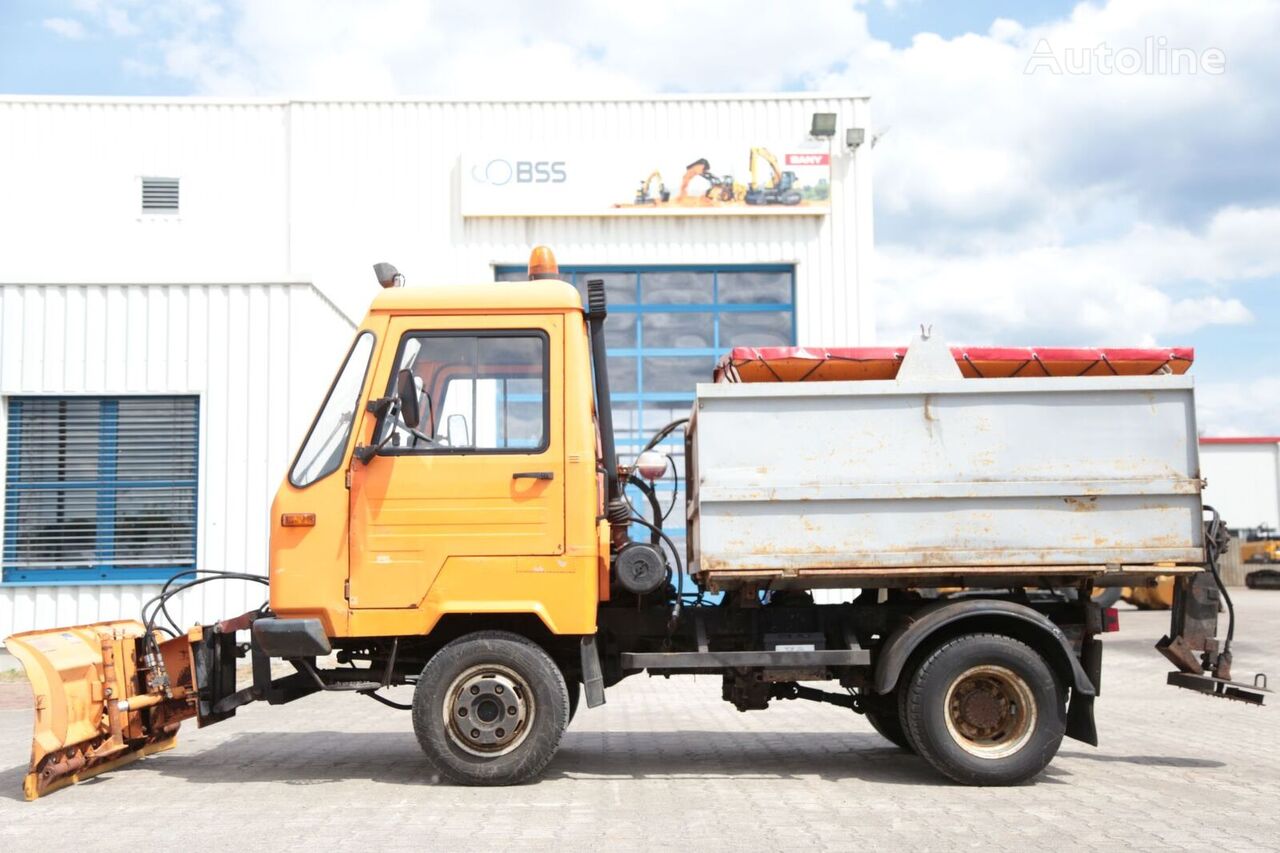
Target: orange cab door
{"x":489,"y":486}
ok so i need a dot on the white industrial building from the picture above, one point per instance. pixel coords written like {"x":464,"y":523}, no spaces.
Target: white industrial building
{"x":1242,"y":477}
{"x":179,"y":278}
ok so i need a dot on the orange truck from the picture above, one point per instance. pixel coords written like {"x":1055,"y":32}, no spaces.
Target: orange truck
{"x":457,"y":519}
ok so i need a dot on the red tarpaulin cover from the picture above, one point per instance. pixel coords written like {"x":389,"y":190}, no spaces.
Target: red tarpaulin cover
{"x":817,"y":364}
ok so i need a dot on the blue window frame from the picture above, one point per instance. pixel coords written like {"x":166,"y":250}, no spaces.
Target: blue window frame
{"x":100,"y":489}
{"x":667,"y":327}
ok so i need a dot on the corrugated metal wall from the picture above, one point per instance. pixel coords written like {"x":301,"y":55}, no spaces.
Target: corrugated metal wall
{"x":258,"y":355}
{"x":72,"y":173}
{"x":316,"y":191}
{"x":397,"y":197}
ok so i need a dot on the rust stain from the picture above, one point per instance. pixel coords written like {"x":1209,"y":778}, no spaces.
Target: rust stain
{"x":1086,"y":504}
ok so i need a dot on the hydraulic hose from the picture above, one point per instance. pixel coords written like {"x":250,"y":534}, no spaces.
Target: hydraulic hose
{"x":1217,"y":537}
{"x":652,"y":497}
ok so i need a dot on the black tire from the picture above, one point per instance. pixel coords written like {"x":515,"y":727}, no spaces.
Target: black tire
{"x":1006,"y":731}
{"x":882,"y":713}
{"x":476,"y":677}
{"x":575,"y":693}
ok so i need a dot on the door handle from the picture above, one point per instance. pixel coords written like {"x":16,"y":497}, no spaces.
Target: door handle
{"x":534,"y":475}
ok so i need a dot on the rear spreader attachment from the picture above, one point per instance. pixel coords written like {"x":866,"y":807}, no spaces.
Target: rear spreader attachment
{"x":1192,"y":645}
{"x":1255,"y":693}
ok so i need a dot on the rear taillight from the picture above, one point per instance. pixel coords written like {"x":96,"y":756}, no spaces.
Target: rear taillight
{"x":1110,"y":620}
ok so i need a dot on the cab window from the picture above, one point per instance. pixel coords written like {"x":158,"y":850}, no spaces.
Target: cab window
{"x":326,"y":444}
{"x":478,"y":392}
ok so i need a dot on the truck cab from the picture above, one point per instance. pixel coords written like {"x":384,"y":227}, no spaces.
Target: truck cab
{"x":452,"y":469}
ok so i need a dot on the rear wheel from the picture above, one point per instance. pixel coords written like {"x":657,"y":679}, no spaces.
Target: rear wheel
{"x":882,"y":713}
{"x":984,"y":709}
{"x":489,"y":709}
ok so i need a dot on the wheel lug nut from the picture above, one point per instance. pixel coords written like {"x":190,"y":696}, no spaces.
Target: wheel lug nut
{"x":475,"y":733}
{"x":500,"y":732}
{"x":511,"y":710}
{"x":462,"y":712}
{"x":474,"y":690}
{"x":497,"y":688}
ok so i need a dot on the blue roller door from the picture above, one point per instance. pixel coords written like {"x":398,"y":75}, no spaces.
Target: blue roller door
{"x":667,"y":327}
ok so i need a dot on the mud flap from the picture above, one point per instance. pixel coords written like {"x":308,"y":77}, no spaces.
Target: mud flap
{"x":97,"y":704}
{"x":1080,"y":722}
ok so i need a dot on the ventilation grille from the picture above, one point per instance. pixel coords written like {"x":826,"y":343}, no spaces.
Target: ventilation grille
{"x":159,"y":195}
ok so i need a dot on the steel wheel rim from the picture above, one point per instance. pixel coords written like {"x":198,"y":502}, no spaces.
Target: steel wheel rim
{"x":990,"y":711}
{"x":488,"y":710}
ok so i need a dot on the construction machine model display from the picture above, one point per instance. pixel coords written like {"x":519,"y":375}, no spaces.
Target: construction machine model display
{"x":645,"y":194}
{"x":780,"y":187}
{"x":697,"y":169}
{"x":457,"y":519}
{"x":720,"y":188}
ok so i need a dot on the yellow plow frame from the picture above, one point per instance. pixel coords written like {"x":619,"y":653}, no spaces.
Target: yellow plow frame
{"x":105,"y":695}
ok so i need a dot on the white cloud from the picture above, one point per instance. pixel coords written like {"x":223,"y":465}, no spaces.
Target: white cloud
{"x":558,"y":47}
{"x":117,"y":20}
{"x":1146,"y":285}
{"x":1249,"y":407}
{"x":68,"y":28}
{"x":1089,"y":208}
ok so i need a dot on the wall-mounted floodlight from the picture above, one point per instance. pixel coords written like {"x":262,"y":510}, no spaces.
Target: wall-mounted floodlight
{"x":388,"y":275}
{"x":853,"y":137}
{"x":824,"y":124}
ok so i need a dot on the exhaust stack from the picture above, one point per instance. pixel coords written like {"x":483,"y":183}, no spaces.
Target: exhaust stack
{"x":615,"y":507}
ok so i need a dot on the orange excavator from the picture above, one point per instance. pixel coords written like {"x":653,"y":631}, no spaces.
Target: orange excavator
{"x":697,"y":169}
{"x":720,"y":188}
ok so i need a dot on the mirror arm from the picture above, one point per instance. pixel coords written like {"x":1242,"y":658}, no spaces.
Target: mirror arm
{"x":366,"y":452}
{"x":380,"y":405}
{"x":415,"y":432}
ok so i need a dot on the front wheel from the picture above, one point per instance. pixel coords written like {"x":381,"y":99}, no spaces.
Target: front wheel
{"x":489,"y":709}
{"x":984,"y":709}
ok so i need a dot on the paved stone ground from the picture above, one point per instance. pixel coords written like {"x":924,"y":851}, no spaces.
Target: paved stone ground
{"x":667,"y":765}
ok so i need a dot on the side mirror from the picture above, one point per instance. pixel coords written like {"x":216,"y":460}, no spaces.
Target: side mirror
{"x":458,"y":423}
{"x":407,"y":393}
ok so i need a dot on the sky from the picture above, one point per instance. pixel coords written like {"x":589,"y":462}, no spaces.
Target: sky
{"x":1045,"y":173}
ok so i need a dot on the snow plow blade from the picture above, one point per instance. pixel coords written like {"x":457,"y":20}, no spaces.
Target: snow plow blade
{"x":105,"y":695}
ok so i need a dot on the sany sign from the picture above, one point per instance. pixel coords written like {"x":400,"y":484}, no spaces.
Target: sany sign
{"x":809,"y":159}
{"x":695,"y":179}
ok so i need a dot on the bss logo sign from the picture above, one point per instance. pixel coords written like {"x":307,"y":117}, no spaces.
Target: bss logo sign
{"x":500,"y":172}
{"x":540,"y":172}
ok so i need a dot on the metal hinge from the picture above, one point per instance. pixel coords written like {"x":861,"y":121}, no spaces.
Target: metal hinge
{"x":346,"y":590}
{"x":348,"y":478}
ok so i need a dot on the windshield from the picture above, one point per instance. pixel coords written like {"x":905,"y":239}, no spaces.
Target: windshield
{"x":326,"y":443}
